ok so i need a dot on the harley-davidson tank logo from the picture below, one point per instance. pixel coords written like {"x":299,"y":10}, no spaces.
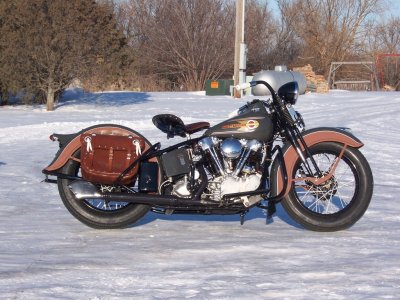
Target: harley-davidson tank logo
{"x":232,"y":126}
{"x":252,"y":124}
{"x":242,"y":125}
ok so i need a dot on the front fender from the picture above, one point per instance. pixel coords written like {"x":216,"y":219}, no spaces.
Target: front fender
{"x":68,"y":149}
{"x":311,"y":137}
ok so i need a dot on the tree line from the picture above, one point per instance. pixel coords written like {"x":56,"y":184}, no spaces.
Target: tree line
{"x":46,"y":45}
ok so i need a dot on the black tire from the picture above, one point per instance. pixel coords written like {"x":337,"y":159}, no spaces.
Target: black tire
{"x":109,"y":216}
{"x":341,"y":201}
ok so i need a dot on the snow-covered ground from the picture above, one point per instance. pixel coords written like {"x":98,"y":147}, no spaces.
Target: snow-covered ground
{"x":46,"y":253}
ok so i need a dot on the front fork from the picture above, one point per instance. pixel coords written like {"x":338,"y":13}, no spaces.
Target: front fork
{"x":302,"y":150}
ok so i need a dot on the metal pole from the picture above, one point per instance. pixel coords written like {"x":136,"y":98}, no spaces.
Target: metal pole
{"x":239,"y":38}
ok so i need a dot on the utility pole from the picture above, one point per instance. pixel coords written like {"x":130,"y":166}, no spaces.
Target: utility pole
{"x":240,"y":47}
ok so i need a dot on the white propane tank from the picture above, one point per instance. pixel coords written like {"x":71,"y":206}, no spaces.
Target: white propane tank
{"x":276,"y":78}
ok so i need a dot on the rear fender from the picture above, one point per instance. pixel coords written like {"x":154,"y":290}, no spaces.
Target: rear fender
{"x":311,"y":137}
{"x":68,"y":149}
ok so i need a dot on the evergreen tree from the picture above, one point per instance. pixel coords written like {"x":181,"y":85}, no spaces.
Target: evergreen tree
{"x":46,"y":44}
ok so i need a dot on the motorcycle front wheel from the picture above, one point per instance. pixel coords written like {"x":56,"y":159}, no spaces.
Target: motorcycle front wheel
{"x":97,"y":213}
{"x":339,"y":202}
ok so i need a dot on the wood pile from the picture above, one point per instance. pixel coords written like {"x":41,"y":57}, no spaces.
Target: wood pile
{"x":389,"y":88}
{"x":315,"y":83}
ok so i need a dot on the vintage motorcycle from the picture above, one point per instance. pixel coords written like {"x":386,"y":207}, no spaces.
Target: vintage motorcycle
{"x":110,"y":176}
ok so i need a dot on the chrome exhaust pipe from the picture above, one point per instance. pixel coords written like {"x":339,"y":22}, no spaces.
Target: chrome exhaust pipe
{"x":84,"y":190}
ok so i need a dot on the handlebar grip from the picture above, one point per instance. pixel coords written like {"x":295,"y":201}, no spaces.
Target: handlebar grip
{"x":242,"y":86}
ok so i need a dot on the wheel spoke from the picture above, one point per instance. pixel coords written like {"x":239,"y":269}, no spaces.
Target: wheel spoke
{"x":307,"y":192}
{"x":348,"y":184}
{"x":341,"y":174}
{"x":106,"y":205}
{"x":342,"y":201}
{"x":335,"y":194}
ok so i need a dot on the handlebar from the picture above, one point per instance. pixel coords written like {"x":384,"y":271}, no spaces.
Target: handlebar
{"x":243,"y":86}
{"x":275,"y":97}
{"x":247,"y":85}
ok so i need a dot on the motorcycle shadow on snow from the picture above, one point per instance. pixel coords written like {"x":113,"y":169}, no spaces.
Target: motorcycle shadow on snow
{"x":255,"y":213}
{"x":80,"y":97}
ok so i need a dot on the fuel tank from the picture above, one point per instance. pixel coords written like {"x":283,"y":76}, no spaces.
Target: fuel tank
{"x":253,"y":123}
{"x":276,"y":78}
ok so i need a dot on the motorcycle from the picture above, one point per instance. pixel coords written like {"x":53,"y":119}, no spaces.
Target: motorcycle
{"x":110,"y":176}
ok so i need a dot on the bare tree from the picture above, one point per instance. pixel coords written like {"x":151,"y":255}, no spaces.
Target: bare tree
{"x":329,"y":29}
{"x":262,"y":37}
{"x":385,"y":36}
{"x":186,"y":41}
{"x":4,"y":80}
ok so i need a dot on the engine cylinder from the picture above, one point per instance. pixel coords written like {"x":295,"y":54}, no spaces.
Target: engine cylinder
{"x":252,"y":145}
{"x":208,"y":145}
{"x":231,"y":148}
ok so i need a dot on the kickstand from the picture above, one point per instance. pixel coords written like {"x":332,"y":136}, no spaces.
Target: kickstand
{"x":242,"y":217}
{"x":270,"y":212}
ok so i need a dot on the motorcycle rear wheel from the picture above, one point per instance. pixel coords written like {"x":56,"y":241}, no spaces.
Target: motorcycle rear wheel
{"x":338,"y":203}
{"x":97,"y":213}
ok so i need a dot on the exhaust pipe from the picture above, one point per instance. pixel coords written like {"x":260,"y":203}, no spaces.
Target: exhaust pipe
{"x":86,"y":190}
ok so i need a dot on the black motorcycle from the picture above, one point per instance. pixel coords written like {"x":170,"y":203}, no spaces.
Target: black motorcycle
{"x":110,"y":176}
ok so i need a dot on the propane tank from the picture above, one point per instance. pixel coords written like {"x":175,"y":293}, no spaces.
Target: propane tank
{"x":276,"y":78}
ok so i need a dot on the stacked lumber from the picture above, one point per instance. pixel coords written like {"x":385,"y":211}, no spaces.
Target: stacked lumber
{"x":315,"y":83}
{"x":390,"y":88}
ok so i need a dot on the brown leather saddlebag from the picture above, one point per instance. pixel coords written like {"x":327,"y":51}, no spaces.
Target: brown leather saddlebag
{"x":105,"y":157}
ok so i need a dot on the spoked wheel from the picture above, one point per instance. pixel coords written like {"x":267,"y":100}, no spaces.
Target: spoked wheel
{"x":340,"y":201}
{"x":98,"y":213}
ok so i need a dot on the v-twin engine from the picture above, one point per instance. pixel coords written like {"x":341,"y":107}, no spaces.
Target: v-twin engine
{"x":234,"y":166}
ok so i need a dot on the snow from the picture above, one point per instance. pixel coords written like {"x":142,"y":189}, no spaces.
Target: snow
{"x":46,"y":253}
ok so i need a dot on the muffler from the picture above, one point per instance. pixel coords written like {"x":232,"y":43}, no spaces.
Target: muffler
{"x":84,"y":190}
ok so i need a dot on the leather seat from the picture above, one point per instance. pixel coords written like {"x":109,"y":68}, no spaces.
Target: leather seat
{"x":196,"y":127}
